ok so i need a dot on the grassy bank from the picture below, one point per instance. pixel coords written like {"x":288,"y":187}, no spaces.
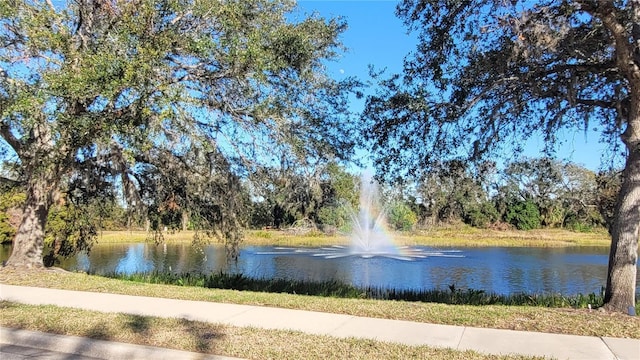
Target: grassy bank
{"x":453,"y":236}
{"x":527,"y":318}
{"x":250,"y":343}
{"x":332,"y":288}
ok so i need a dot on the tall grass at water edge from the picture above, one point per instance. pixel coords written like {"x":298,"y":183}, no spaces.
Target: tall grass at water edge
{"x":338,"y":289}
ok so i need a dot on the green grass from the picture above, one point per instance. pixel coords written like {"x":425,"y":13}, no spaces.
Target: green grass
{"x":340,"y":290}
{"x":525,"y":318}
{"x":250,"y":343}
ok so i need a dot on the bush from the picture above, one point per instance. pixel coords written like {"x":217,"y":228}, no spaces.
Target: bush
{"x":524,"y":215}
{"x":334,"y":217}
{"x":401,"y":217}
{"x":572,"y":222}
{"x":481,"y":215}
{"x":6,"y":230}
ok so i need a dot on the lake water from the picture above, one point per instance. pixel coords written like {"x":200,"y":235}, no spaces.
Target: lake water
{"x":501,"y":270}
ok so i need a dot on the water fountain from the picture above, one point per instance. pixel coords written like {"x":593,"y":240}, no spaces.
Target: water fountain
{"x":369,"y":236}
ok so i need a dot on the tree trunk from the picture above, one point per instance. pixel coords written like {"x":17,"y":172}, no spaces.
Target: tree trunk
{"x":185,"y":220}
{"x":623,"y":256}
{"x":28,"y":242}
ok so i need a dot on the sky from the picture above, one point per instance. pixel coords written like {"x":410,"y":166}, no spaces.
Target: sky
{"x":375,"y":36}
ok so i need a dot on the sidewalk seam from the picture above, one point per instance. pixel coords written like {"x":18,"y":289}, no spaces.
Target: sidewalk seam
{"x":609,"y":348}
{"x":341,"y":325}
{"x":464,"y":329}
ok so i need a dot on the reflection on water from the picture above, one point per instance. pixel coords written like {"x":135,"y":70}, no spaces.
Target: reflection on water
{"x":502,"y":270}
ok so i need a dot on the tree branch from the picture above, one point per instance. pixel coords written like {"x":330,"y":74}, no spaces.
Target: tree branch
{"x":51,"y":5}
{"x":597,"y":102}
{"x":606,"y":12}
{"x":11,"y":183}
{"x":5,"y":131}
{"x":635,"y":29}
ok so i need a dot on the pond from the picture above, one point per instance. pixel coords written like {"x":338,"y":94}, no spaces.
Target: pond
{"x":502,"y":270}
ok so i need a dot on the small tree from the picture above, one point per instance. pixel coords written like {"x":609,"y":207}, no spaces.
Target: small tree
{"x":524,"y":215}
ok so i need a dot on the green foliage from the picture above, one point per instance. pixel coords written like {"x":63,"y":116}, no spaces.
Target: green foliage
{"x":340,"y":186}
{"x":401,"y":217}
{"x":524,"y":215}
{"x":481,"y":215}
{"x":286,"y":195}
{"x":6,"y":230}
{"x":453,"y":191}
{"x":572,"y":223}
{"x":172,"y":105}
{"x":9,"y":200}
{"x":335,"y":216}
{"x":69,"y":230}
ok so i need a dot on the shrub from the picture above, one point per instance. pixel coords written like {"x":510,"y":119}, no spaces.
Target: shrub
{"x":6,"y":230}
{"x":401,"y":217}
{"x":481,"y":215}
{"x":524,"y":215}
{"x":334,"y":216}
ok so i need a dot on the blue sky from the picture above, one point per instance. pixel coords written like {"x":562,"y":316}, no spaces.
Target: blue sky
{"x":376,"y":36}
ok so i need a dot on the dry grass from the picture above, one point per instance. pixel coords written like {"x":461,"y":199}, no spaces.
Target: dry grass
{"x":202,"y":337}
{"x":563,"y":321}
{"x":452,"y":236}
{"x":468,"y":236}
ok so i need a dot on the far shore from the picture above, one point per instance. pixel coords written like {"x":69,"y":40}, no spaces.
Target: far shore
{"x":450,"y":236}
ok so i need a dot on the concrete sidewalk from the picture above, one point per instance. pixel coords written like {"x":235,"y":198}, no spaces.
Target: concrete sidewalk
{"x":490,"y":341}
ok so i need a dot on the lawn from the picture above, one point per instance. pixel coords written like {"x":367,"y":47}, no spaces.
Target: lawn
{"x":249,"y":343}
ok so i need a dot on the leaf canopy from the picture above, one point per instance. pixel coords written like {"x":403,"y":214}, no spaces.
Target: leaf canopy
{"x":172,"y":100}
{"x":487,"y":73}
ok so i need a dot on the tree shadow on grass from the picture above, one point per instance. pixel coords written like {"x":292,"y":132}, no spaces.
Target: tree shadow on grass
{"x":199,"y":336}
{"x":204,"y":335}
{"x":181,"y":334}
{"x":137,"y":323}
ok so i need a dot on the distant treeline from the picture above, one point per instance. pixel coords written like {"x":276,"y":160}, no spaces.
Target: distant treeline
{"x":527,"y":194}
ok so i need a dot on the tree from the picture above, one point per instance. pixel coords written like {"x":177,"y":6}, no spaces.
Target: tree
{"x":173,"y":102}
{"x":580,"y":198}
{"x":487,"y":74}
{"x":608,"y":188}
{"x":288,"y":193}
{"x":564,"y":193}
{"x":538,"y":181}
{"x":340,"y":198}
{"x":453,"y":191}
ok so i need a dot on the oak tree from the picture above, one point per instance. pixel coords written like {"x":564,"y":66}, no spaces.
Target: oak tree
{"x":488,"y":73}
{"x":175,"y":102}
